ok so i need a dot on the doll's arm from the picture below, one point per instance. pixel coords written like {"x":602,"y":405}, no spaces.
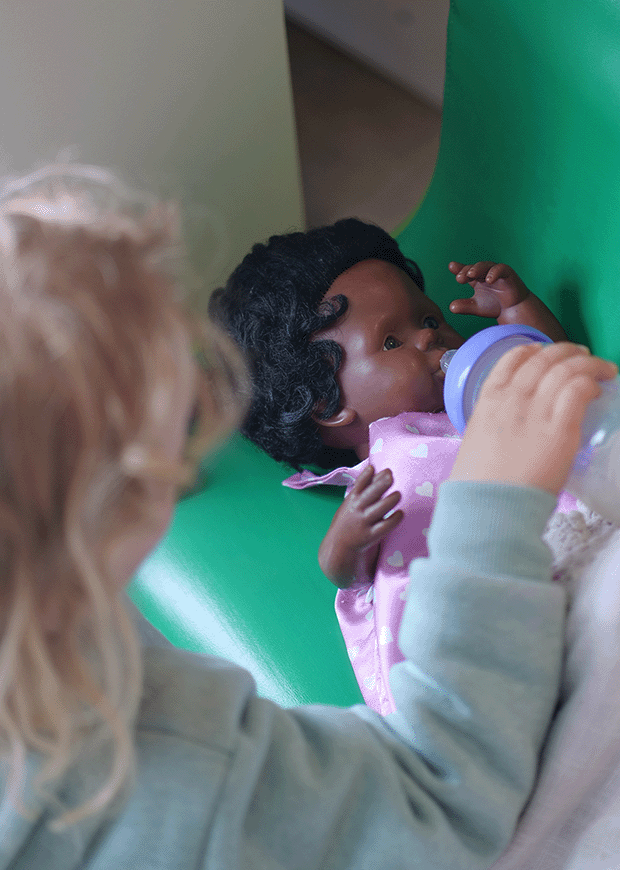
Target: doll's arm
{"x":352,"y":540}
{"x":500,"y":293}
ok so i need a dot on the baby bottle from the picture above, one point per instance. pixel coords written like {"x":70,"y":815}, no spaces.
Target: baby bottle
{"x":595,"y":475}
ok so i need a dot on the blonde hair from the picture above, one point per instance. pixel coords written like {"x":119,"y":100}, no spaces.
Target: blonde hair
{"x":90,"y":299}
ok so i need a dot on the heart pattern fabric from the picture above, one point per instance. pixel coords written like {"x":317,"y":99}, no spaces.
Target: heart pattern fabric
{"x":419,"y":448}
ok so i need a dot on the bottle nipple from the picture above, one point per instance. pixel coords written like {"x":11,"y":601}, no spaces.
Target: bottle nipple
{"x":444,"y":362}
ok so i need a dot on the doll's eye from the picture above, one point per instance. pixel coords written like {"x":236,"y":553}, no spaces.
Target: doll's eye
{"x":391,"y":343}
{"x":430,"y":322}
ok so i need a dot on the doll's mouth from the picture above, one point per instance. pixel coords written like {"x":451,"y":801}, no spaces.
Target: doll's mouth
{"x":440,"y":375}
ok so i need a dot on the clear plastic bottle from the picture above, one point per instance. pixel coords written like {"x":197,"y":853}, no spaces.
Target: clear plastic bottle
{"x":595,"y":475}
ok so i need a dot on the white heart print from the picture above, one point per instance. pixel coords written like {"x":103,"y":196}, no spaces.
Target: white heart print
{"x":420,"y":451}
{"x":353,"y":652}
{"x":426,"y":489}
{"x":377,"y":447}
{"x":396,"y":559}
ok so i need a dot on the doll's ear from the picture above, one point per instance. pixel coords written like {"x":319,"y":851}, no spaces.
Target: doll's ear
{"x":343,"y":417}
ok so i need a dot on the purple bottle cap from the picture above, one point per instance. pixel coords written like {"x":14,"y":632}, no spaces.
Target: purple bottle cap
{"x":464,"y":377}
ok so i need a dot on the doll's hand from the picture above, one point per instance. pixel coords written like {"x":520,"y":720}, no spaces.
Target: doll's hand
{"x":526,"y":426}
{"x":496,"y":287}
{"x":500,"y":293}
{"x":358,"y":526}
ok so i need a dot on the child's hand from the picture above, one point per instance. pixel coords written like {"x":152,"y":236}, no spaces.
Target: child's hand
{"x":496,"y":287}
{"x":500,"y":293}
{"x":526,"y":426}
{"x":358,"y":525}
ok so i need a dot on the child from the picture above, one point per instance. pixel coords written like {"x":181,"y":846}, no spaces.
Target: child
{"x":344,"y":347}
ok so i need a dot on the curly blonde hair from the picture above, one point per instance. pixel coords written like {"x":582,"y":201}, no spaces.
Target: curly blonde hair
{"x":90,"y":297}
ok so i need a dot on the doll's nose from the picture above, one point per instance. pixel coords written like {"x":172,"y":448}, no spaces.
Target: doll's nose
{"x":426,"y":339}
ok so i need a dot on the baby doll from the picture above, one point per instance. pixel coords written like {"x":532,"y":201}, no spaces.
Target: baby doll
{"x":344,"y":348}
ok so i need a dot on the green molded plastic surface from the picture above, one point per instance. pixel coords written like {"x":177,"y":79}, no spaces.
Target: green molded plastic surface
{"x":528,"y":168}
{"x":237,"y":575}
{"x":527,"y":174}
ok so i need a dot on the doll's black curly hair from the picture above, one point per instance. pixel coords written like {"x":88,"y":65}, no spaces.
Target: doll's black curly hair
{"x":271,"y":306}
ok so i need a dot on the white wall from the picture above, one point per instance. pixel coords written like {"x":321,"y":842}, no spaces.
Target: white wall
{"x":189,"y":97}
{"x":403,"y":39}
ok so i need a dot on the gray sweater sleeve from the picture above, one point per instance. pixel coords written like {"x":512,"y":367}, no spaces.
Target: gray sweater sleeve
{"x":440,"y":783}
{"x":227,"y":780}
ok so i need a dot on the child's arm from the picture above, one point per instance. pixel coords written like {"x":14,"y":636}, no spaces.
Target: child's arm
{"x":500,"y":293}
{"x":441,"y":782}
{"x":352,"y":541}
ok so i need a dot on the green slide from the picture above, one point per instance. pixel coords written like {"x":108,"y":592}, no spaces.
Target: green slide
{"x":527,"y":174}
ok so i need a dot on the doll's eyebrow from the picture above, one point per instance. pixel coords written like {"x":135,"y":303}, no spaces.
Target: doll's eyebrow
{"x":387,"y":321}
{"x":381,"y":327}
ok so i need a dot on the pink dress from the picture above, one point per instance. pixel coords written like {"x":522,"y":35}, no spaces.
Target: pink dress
{"x":419,"y":448}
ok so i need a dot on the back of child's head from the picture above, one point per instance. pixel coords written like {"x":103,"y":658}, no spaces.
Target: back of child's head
{"x":271,"y":306}
{"x":88,"y":309}
{"x":95,"y":338}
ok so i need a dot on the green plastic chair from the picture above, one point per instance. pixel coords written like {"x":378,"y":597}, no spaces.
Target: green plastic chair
{"x":526,"y":174}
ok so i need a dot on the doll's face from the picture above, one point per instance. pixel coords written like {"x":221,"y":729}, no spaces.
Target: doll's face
{"x":392,"y":336}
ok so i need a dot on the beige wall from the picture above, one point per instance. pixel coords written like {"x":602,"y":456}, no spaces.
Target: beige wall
{"x":189,"y":97}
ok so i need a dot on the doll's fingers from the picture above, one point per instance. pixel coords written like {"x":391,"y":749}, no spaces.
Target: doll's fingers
{"x":470,"y":272}
{"x":463,"y":306}
{"x":476,"y":306}
{"x":459,"y":270}
{"x":463,"y":277}
{"x":478,"y":270}
{"x":497,"y":271}
{"x":363,"y":480}
{"x":385,"y":526}
{"x":377,"y":510}
{"x":374,"y":487}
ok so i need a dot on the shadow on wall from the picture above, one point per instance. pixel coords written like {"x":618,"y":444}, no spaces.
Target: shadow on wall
{"x":405,"y":40}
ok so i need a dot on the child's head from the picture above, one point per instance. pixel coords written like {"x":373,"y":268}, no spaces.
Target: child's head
{"x":97,"y":386}
{"x":298,"y":306}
